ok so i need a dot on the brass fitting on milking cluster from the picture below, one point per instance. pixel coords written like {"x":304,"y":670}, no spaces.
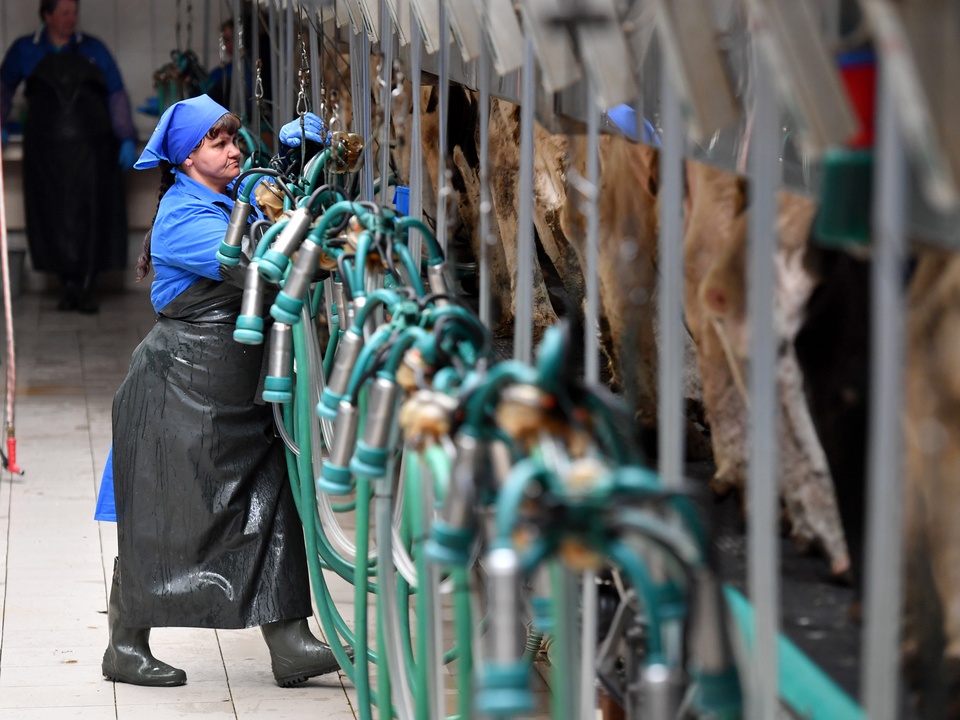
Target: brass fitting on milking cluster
{"x":526,"y":411}
{"x":426,"y":416}
{"x":269,"y":199}
{"x":412,"y":366}
{"x":346,"y":150}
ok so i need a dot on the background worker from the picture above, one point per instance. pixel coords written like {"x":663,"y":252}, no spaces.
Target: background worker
{"x":78,"y":138}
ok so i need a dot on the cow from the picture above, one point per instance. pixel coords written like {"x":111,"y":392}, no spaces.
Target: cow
{"x":715,"y":292}
{"x":931,"y":633}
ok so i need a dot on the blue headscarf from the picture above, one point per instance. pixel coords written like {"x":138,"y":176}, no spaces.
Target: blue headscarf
{"x":181,"y":128}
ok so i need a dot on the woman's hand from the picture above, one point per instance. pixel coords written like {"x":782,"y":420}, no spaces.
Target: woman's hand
{"x":313,"y":129}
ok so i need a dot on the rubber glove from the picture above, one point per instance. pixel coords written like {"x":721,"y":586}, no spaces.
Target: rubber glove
{"x":128,"y":155}
{"x":313,"y":129}
{"x":4,"y":136}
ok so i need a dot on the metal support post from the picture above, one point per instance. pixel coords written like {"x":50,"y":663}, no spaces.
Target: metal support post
{"x":672,"y":360}
{"x":884,"y":552}
{"x":763,"y":566}
{"x":289,"y":76}
{"x":276,"y":115}
{"x":443,"y":191}
{"x":386,"y":97}
{"x":591,"y":341}
{"x":416,"y":144}
{"x":523,"y":320}
{"x":366,"y":123}
{"x":486,"y":202}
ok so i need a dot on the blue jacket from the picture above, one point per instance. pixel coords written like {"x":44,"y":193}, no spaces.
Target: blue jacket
{"x":190,"y":225}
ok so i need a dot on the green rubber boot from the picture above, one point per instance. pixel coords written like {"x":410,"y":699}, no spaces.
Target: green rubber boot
{"x":128,"y":658}
{"x":295,"y":654}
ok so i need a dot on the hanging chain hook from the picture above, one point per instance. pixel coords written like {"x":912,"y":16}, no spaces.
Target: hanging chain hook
{"x":303,"y":75}
{"x":258,"y":83}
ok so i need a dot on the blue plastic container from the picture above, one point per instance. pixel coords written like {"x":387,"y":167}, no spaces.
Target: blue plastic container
{"x":401,"y":199}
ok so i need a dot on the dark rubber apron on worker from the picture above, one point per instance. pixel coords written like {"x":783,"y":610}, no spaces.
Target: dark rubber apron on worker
{"x":209,"y":534}
{"x":73,"y":187}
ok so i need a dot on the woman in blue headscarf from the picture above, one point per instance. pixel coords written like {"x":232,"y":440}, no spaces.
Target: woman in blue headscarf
{"x":208,"y":531}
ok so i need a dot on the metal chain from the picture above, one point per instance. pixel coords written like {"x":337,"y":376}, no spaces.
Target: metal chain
{"x":177,"y":27}
{"x":258,"y":83}
{"x":303,"y":75}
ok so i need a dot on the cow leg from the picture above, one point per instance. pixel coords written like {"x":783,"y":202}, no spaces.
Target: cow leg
{"x":806,"y":483}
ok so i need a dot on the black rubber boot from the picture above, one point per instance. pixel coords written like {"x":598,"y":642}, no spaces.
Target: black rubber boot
{"x":69,"y":295}
{"x":295,"y":654}
{"x":86,"y":302}
{"x":128,"y":658}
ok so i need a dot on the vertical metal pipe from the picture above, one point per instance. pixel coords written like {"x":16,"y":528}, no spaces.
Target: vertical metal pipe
{"x":885,"y":461}
{"x":565,"y":651}
{"x":443,"y":62}
{"x":523,"y":320}
{"x":434,"y":628}
{"x":670,"y":251}
{"x":763,"y":571}
{"x":276,"y":116}
{"x":366,"y":123}
{"x":355,"y":72}
{"x":236,"y":61}
{"x":290,"y":62}
{"x":416,"y":145}
{"x":486,"y":202}
{"x":254,"y":41}
{"x":238,"y":100}
{"x":386,"y":51}
{"x":591,"y":342}
{"x":591,"y":325}
{"x":280,"y":61}
{"x":316,"y":72}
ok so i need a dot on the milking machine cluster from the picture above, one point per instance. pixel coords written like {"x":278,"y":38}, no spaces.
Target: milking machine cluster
{"x":480,"y":505}
{"x":484,"y":484}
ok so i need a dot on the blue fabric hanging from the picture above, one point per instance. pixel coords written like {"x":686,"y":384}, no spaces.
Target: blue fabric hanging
{"x":106,"y":505}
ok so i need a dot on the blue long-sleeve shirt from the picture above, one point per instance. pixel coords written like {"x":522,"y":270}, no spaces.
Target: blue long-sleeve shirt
{"x":191,"y":223}
{"x":27,"y":51}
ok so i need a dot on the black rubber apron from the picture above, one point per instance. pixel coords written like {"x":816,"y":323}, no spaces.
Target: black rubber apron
{"x":209,"y":534}
{"x":73,"y":187}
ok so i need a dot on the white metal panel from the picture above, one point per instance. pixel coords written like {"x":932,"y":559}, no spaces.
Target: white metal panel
{"x":606,"y":56}
{"x":465,"y":22}
{"x":428,"y":17}
{"x":503,"y":34}
{"x":400,"y":12}
{"x":688,"y":38}
{"x":804,"y":73}
{"x":557,"y":61}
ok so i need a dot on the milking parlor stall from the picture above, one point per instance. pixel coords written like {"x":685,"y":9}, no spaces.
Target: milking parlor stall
{"x":611,"y":341}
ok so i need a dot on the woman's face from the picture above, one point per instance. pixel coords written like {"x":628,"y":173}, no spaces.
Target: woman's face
{"x":215,"y":163}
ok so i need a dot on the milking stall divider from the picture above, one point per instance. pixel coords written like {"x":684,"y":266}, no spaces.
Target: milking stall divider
{"x":496,"y":491}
